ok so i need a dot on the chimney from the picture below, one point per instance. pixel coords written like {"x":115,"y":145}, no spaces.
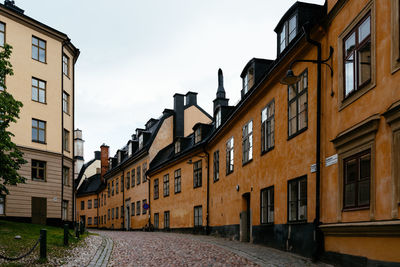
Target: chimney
{"x":104,"y":160}
{"x":97,"y":155}
{"x":179,"y":115}
{"x":191,"y":99}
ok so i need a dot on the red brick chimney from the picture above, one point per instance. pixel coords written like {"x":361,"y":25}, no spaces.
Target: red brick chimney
{"x":104,"y":160}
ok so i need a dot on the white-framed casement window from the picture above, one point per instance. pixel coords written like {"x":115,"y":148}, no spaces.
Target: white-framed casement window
{"x":268,"y":127}
{"x":218,"y":118}
{"x":198,"y":216}
{"x":229,"y":155}
{"x":38,"y":90}
{"x":2,"y":205}
{"x":298,"y":106}
{"x":247,"y":142}
{"x":267,"y":205}
{"x":177,"y":146}
{"x":248,"y":80}
{"x":65,"y":102}
{"x":66,"y":65}
{"x":197,"y":135}
{"x":288,"y":32}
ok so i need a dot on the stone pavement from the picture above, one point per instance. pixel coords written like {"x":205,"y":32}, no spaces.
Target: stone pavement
{"x":102,"y":255}
{"x":171,"y":249}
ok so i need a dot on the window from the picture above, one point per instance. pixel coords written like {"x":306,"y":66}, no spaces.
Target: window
{"x":133,"y":177}
{"x":156,"y":189}
{"x":297,"y":102}
{"x":218,"y":119}
{"x":267,"y":205}
{"x":38,"y":131}
{"x":395,"y":40}
{"x":95,"y":203}
{"x":133,"y":208}
{"x":105,"y":198}
{"x":177,"y":146}
{"x":109,"y":189}
{"x":289,"y":31}
{"x":197,"y":174}
{"x":2,"y":205}
{"x":112,"y":188}
{"x":166,"y":219}
{"x":64,"y":210}
{"x":198,"y":216}
{"x":116,"y":187}
{"x":229,"y":155}
{"x":38,"y":170}
{"x":138,"y":208}
{"x":122,"y":211}
{"x":122,"y":183}
{"x":268,"y":127}
{"x":128,"y":179}
{"x":166,"y":185}
{"x":197,"y":135}
{"x":89,"y":204}
{"x":108,"y":214}
{"x":82,"y":205}
{"x":177,"y":183}
{"x":247,"y":142}
{"x":38,"y":90}
{"x":66,"y":140}
{"x":66,"y":176}
{"x":140,"y":141}
{"x":89,"y":220}
{"x":357,"y":56}
{"x":156,"y":220}
{"x":65,"y":102}
{"x":216,"y":166}
{"x":248,"y":80}
{"x":2,"y":34}
{"x":357,"y":61}
{"x":144,"y":168}
{"x":116,"y":213}
{"x":144,"y":202}
{"x":297,"y":191}
{"x":95,"y":220}
{"x":138,"y":175}
{"x":357,"y":176}
{"x":38,"y":49}
{"x":66,"y":65}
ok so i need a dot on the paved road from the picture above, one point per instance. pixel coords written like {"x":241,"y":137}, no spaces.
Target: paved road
{"x":169,"y":249}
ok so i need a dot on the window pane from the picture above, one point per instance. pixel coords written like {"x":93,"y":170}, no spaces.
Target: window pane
{"x":363,"y":193}
{"x":292,"y":126}
{"x":42,"y":44}
{"x":42,"y":96}
{"x":292,"y":211}
{"x":34,"y":134}
{"x":42,"y":55}
{"x":1,"y":42}
{"x":302,"y":120}
{"x":349,"y":74}
{"x":35,"y":52}
{"x":350,"y":43}
{"x":264,"y":114}
{"x":350,"y":195}
{"x":41,"y":135}
{"x":292,"y":92}
{"x":365,"y":163}
{"x":292,"y":28}
{"x":35,"y":82}
{"x":351,"y":171}
{"x":41,"y":125}
{"x":292,"y":110}
{"x":35,"y":41}
{"x":41,"y":174}
{"x":41,"y":84}
{"x":34,"y":94}
{"x":364,"y":30}
{"x":364,"y":63}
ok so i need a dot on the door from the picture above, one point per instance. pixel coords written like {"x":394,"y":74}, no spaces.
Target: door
{"x":39,"y":210}
{"x":245,"y":223}
{"x":127,"y":215}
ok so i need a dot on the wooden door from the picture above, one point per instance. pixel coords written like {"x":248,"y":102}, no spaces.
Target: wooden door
{"x":39,"y":210}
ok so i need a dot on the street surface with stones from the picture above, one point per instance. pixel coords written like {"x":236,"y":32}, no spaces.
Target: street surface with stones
{"x":171,"y":249}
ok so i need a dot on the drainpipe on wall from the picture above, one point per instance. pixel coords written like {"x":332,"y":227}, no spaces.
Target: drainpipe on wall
{"x":123,"y":197}
{"x":148,"y":180}
{"x":98,"y":205}
{"x":73,"y":146}
{"x":208,"y":192}
{"x":62,"y":132}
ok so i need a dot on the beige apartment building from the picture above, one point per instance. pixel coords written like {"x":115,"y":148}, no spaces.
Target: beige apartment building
{"x":43,"y":61}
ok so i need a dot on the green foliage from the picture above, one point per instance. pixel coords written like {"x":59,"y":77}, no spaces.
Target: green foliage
{"x":11,"y":158}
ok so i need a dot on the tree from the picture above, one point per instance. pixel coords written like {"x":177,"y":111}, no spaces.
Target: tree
{"x":11,"y":158}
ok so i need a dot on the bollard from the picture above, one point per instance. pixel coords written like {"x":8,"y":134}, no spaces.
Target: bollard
{"x":43,"y":244}
{"x":82,"y":229}
{"x":77,"y":231}
{"x":66,"y":232}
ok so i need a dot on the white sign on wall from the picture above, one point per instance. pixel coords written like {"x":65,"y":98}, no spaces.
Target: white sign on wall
{"x":313,"y":168}
{"x":331,"y":160}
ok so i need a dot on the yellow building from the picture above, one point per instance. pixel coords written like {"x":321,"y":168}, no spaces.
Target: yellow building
{"x":43,"y":61}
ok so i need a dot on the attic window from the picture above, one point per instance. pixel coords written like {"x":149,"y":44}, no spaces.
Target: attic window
{"x":197,"y":135}
{"x":289,"y":31}
{"x":218,"y":119}
{"x":141,"y":141}
{"x":119,"y":156}
{"x":248,"y":80}
{"x":177,"y":147}
{"x":129,"y":149}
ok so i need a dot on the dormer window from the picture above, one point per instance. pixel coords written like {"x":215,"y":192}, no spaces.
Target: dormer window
{"x":130,"y":149}
{"x":197,"y":135}
{"x":218,"y":119}
{"x":177,"y":147}
{"x":140,"y":141}
{"x":248,"y":80}
{"x":289,"y":31}
{"x":119,"y":156}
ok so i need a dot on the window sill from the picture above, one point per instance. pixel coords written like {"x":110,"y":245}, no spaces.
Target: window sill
{"x":44,"y":62}
{"x":177,"y":192}
{"x":215,"y":180}
{"x":267,"y":224}
{"x":298,"y":222}
{"x":267,"y":150}
{"x":297,"y":133}
{"x":346,"y":101}
{"x":247,"y":162}
{"x":156,"y":198}
{"x":355,"y":209}
{"x":39,"y":142}
{"x":199,"y":186}
{"x":44,"y":103}
{"x":67,"y":113}
{"x":228,"y":173}
{"x":38,"y":180}
{"x":166,"y":196}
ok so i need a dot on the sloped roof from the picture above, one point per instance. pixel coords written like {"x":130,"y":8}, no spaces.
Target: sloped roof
{"x":92,"y":185}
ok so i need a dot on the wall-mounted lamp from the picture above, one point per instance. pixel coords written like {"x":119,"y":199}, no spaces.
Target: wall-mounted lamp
{"x":237,"y":188}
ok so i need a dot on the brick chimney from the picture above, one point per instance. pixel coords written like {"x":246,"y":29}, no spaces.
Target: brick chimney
{"x":104,"y":160}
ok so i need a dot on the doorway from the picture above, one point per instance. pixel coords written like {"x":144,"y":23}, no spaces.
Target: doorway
{"x":39,"y":210}
{"x":245,"y":215}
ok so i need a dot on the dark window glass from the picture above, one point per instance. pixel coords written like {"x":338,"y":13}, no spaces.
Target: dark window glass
{"x":268,"y":127}
{"x":38,"y":170}
{"x":197,"y":179}
{"x":138,"y":174}
{"x":267,"y":205}
{"x":156,"y":189}
{"x":38,"y":49}
{"x":138,"y":207}
{"x":297,"y":101}
{"x":38,"y":90}
{"x":247,"y":142}
{"x":229,"y":155}
{"x":166,"y":219}
{"x":198,"y":216}
{"x":38,"y":131}
{"x":156,"y":220}
{"x":216,"y":166}
{"x":297,"y":191}
{"x":166,"y":185}
{"x":177,"y":186}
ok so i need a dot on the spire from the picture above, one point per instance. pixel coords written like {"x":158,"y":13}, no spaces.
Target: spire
{"x":220,"y":90}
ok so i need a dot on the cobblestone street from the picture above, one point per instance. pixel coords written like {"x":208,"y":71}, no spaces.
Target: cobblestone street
{"x":170,"y":249}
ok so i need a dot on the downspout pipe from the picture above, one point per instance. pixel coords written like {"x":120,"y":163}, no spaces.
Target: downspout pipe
{"x":62,"y":133}
{"x":317,"y":221}
{"x":208,"y":192}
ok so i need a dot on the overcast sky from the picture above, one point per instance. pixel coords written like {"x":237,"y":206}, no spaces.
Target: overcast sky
{"x":135,"y":55}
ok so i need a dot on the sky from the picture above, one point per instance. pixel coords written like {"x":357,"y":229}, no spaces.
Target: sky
{"x":135,"y":55}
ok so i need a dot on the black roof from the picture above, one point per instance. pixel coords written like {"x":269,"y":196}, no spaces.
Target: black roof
{"x":82,"y":171}
{"x":92,"y":185}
